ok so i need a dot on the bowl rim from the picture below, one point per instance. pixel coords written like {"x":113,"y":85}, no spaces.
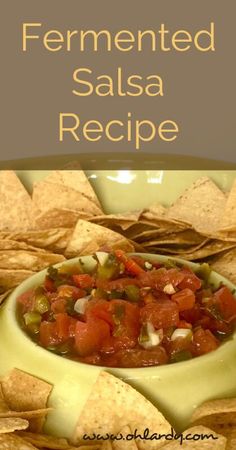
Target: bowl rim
{"x":10,"y":307}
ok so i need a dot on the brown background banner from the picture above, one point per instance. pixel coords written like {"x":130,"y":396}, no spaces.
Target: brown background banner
{"x":199,"y":87}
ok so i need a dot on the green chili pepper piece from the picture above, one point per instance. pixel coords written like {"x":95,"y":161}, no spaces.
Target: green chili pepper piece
{"x":32,"y":318}
{"x":132,"y":293}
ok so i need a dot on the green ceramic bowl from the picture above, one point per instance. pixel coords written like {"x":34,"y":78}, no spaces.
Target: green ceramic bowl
{"x":177,"y":389}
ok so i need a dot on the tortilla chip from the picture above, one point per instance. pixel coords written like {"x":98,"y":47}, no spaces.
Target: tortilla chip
{"x":94,"y":246}
{"x":91,"y":447}
{"x":47,"y":196}
{"x":3,"y":405}
{"x":26,"y":414}
{"x":11,"y":278}
{"x":55,"y":239}
{"x":210,"y":440}
{"x":156,"y":210}
{"x":90,"y":235}
{"x":122,"y":221}
{"x":15,"y":203}
{"x":220,"y":416}
{"x":13,"y":442}
{"x":183,"y":237}
{"x":144,"y":229}
{"x":4,"y":295}
{"x":20,"y":259}
{"x":111,"y":403}
{"x":54,"y":218}
{"x":24,"y":392}
{"x":211,"y":248}
{"x":124,"y":444}
{"x":214,"y":407}
{"x":8,"y":425}
{"x":10,"y":244}
{"x":45,"y":441}
{"x":105,"y":446}
{"x":201,"y":205}
{"x":225,"y":265}
{"x":228,"y":221}
{"x":75,"y":179}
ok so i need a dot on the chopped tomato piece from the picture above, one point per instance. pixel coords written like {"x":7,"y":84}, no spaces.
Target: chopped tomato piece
{"x":163,"y":314}
{"x":130,"y":265}
{"x":184,"y":324}
{"x":185,"y":299}
{"x":149,"y":298}
{"x":83,"y":281}
{"x":139,"y":357}
{"x":90,"y":336}
{"x":114,"y":344}
{"x":226,"y":303}
{"x":95,"y":359}
{"x":100,"y":309}
{"x":63,"y":323}
{"x":58,"y":306}
{"x":204,"y":342}
{"x":158,"y":279}
{"x":192,"y":315}
{"x":116,"y":285}
{"x":49,"y":284}
{"x":48,"y":334}
{"x":190,"y":281}
{"x":139,"y":260}
{"x":67,"y":291}
{"x":26,"y":300}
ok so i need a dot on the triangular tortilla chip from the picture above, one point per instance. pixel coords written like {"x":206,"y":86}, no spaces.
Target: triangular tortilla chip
{"x":92,"y":236}
{"x":45,"y":441}
{"x":208,"y":249}
{"x":111,"y":404}
{"x":35,"y":261}
{"x":55,"y":239}
{"x":124,"y":444}
{"x":10,"y":244}
{"x":225,"y":265}
{"x":3,"y":405}
{"x":220,"y":416}
{"x":153,"y":212}
{"x":228,"y":221}
{"x":75,"y":179}
{"x":55,"y":218}
{"x":201,"y":205}
{"x":205,"y":439}
{"x":10,"y":424}
{"x":15,"y":203}
{"x":11,"y":278}
{"x":184,"y":237}
{"x":48,"y":196}
{"x":105,"y":446}
{"x":3,"y":296}
{"x":24,"y":392}
{"x":13,"y":442}
{"x":214,"y":407}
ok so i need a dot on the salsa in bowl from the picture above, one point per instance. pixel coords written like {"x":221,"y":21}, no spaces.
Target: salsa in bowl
{"x":128,"y":311}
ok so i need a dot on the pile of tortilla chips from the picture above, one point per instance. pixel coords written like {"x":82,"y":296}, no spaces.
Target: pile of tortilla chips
{"x":112,"y":417}
{"x":63,"y":218}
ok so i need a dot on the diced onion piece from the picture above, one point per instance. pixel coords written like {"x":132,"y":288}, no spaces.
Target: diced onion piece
{"x":153,"y":337}
{"x":169,"y":289}
{"x":184,"y":333}
{"x":148,"y":265}
{"x":80,"y":304}
{"x":102,"y":257}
